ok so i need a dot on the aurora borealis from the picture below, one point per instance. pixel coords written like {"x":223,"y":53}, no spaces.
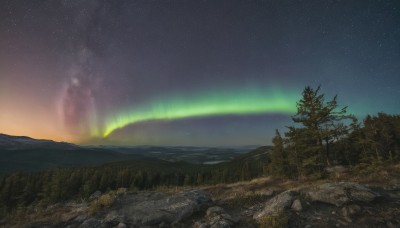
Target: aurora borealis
{"x":239,"y":102}
{"x":172,"y":72}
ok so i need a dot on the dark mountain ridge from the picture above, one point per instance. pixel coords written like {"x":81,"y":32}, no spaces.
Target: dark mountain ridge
{"x":22,"y":153}
{"x":10,"y":142}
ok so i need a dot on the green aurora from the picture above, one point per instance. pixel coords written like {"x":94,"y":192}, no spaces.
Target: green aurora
{"x":232,"y":102}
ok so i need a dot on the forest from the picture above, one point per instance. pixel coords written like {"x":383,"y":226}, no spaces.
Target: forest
{"x":22,"y":189}
{"x":322,"y":135}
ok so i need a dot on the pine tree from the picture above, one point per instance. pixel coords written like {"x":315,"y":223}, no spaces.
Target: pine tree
{"x":279,"y":161}
{"x":321,"y":122}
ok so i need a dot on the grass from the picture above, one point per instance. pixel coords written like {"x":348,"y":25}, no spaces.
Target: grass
{"x":377,"y":173}
{"x":105,"y":201}
{"x":248,"y":199}
{"x":275,"y":220}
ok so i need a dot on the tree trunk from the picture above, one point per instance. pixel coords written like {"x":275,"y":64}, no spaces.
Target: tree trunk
{"x":377,"y":154}
{"x":328,"y":160}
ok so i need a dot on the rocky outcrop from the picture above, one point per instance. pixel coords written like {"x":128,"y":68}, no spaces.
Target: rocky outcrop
{"x":328,"y":205}
{"x":144,"y":209}
{"x":279,"y":202}
{"x":91,"y":222}
{"x":216,"y":217}
{"x":153,"y":208}
{"x":341,"y":193}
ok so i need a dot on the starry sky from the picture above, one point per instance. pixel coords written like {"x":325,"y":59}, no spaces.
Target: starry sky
{"x":200,"y":73}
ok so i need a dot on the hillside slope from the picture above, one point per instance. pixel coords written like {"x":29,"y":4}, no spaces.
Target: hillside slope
{"x":347,"y":200}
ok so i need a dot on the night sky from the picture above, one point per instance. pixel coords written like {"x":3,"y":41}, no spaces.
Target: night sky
{"x":201,"y":73}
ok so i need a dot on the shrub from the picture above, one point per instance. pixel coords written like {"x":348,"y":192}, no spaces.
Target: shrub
{"x":275,"y":220}
{"x":248,"y":199}
{"x":105,"y":201}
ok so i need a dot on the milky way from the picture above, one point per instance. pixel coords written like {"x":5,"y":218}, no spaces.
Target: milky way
{"x":78,"y":106}
{"x":78,"y":103}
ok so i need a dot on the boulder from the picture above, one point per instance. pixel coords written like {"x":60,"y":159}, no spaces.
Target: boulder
{"x":350,"y":210}
{"x":277,"y":203}
{"x":154,"y":208}
{"x":121,"y":225}
{"x":341,"y":193}
{"x":296,"y":205}
{"x":217,"y":217}
{"x":217,"y":214}
{"x":221,"y":224}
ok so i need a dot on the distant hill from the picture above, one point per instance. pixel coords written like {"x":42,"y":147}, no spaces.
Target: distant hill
{"x":21,"y":153}
{"x":254,"y":159}
{"x":10,"y":142}
{"x":190,"y":154}
{"x":258,"y":154}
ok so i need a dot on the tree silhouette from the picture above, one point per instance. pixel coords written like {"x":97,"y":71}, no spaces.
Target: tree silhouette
{"x":323,"y":122}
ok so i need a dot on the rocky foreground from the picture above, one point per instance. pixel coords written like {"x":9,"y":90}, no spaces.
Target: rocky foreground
{"x":258,"y":203}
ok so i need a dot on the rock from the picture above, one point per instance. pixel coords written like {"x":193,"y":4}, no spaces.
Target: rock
{"x":265,"y":192}
{"x":342,"y":222}
{"x":198,"y":196}
{"x":221,"y":224}
{"x":347,"y":219}
{"x":80,"y":218}
{"x":154,"y":208}
{"x":296,"y":205}
{"x":277,"y":203}
{"x":92,"y":222}
{"x":342,"y":193}
{"x":112,"y":216}
{"x":349,"y":211}
{"x":121,"y":225}
{"x":390,"y":225}
{"x":394,"y":195}
{"x":345,"y":212}
{"x":200,"y":224}
{"x":212,"y":211}
{"x":95,"y":195}
{"x":216,"y":217}
{"x":353,"y":209}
